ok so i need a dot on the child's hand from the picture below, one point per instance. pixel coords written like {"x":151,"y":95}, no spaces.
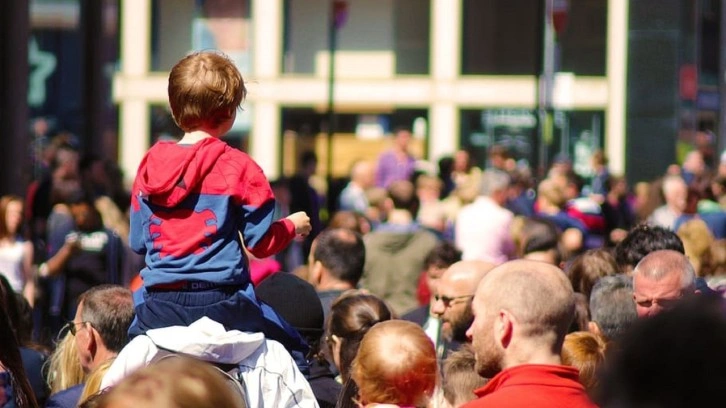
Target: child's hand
{"x":301,"y":222}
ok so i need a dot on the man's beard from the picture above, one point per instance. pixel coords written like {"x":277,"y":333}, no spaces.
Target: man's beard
{"x":461,"y":325}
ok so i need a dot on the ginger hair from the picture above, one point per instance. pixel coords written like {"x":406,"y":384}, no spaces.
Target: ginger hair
{"x":396,"y":364}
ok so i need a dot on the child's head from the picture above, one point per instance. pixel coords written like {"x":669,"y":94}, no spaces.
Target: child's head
{"x":396,"y":364}
{"x":460,"y":378}
{"x":586,"y":352}
{"x":205,"y":90}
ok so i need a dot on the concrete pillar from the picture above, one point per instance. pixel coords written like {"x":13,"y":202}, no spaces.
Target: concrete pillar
{"x":266,"y":136}
{"x":617,"y":62}
{"x":444,"y":124}
{"x":134,"y":116}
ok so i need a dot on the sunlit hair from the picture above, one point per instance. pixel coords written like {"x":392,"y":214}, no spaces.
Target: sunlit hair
{"x":64,"y":367}
{"x":587,"y":268}
{"x":93,"y":381}
{"x":205,"y":89}
{"x":460,"y":378}
{"x":396,"y":364}
{"x":177,"y":382}
{"x":4,"y":202}
{"x":586,"y":352}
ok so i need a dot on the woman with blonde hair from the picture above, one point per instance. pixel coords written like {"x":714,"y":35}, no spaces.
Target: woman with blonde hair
{"x":395,"y":365}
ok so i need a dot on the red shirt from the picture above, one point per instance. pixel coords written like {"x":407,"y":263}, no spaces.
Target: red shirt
{"x":533,"y":386}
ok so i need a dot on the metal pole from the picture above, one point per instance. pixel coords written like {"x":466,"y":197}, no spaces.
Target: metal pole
{"x":545,"y":84}
{"x":332,"y":45}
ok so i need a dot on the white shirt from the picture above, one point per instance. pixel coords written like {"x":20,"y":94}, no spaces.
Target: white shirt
{"x":483,"y":231}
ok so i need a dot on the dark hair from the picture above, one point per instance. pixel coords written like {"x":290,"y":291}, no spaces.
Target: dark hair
{"x":587,"y":268}
{"x":110,"y":310}
{"x":443,"y":255}
{"x":644,"y":239}
{"x":612,"y":306}
{"x":539,"y":235}
{"x":351,"y":316}
{"x":10,"y":356}
{"x":341,"y":252}
{"x":308,"y":157}
{"x":673,"y":359}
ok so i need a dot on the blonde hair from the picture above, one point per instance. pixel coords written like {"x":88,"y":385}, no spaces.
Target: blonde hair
{"x":64,"y":366}
{"x":396,"y":364}
{"x":93,"y":382}
{"x":586,"y":352}
{"x":179,"y":382}
{"x":205,"y":88}
{"x":697,"y":240}
{"x":460,"y":378}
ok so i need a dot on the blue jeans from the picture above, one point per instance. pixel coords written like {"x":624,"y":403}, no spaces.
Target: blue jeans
{"x":234,"y":308}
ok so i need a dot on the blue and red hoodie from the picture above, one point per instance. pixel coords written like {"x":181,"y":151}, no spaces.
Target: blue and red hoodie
{"x":192,"y":204}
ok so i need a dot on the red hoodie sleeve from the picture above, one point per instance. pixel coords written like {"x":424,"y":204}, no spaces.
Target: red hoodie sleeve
{"x":277,"y":237}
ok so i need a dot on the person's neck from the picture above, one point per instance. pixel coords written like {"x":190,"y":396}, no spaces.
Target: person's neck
{"x":329,"y":284}
{"x":530,"y":354}
{"x":401,"y":217}
{"x":199,"y":135}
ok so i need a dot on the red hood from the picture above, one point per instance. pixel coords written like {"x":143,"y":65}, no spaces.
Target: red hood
{"x":170,"y":171}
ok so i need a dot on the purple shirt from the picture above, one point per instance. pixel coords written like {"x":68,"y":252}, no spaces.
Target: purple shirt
{"x":391,"y":169}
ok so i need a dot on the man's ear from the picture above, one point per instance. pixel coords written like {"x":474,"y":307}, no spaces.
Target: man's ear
{"x":315,"y":274}
{"x":593,"y":328}
{"x":503,"y":328}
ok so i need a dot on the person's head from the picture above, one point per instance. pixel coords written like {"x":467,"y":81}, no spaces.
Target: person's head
{"x":402,"y":139}
{"x":642,"y":240}
{"x":85,"y":215}
{"x":351,"y":316}
{"x":539,"y":240}
{"x":178,"y":382}
{"x":350,"y":220}
{"x":303,"y":310}
{"x":521,"y":309}
{"x":402,"y":196}
{"x":693,"y":163}
{"x":460,"y":378}
{"x":396,"y":364}
{"x":714,"y":260}
{"x":587,"y":268}
{"x":675,"y":192}
{"x":101,"y":324}
{"x":11,"y":215}
{"x":494,"y":184}
{"x":697,"y":239}
{"x":612,"y":310}
{"x":550,"y":195}
{"x":205,"y":90}
{"x":428,"y":188}
{"x":462,"y":161}
{"x":586,"y":352}
{"x":660,"y":280}
{"x":363,"y":174}
{"x":498,"y":156}
{"x":674,"y":359}
{"x":453,"y":297}
{"x":337,"y":256}
{"x":438,"y":261}
{"x":308,"y":163}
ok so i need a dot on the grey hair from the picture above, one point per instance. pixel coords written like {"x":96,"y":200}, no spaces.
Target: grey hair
{"x":612,"y":306}
{"x":492,"y":181}
{"x":659,"y":264}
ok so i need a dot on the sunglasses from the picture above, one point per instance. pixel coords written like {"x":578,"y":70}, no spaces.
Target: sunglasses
{"x":448,"y":301}
{"x":73,"y":326}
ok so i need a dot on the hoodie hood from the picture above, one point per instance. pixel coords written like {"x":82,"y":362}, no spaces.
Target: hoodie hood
{"x":207,"y":340}
{"x":170,"y":171}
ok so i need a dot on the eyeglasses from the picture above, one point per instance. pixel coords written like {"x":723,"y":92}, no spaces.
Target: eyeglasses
{"x":449,"y":300}
{"x":72,"y":326}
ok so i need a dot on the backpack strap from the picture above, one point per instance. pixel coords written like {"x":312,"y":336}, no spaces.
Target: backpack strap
{"x":230,"y":372}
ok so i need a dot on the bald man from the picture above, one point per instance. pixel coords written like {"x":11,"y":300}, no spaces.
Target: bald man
{"x":452,"y":300}
{"x":522,"y":310}
{"x":660,"y":279}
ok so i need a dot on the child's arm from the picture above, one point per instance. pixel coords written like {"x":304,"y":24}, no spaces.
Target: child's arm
{"x":280,"y":233}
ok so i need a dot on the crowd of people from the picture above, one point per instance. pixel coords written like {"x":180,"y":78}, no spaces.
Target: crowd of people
{"x":207,"y":286}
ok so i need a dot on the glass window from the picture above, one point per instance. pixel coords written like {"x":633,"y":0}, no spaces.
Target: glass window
{"x":584,"y":37}
{"x":500,"y":37}
{"x":576,"y":133}
{"x":182,"y":26}
{"x":380,"y":38}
